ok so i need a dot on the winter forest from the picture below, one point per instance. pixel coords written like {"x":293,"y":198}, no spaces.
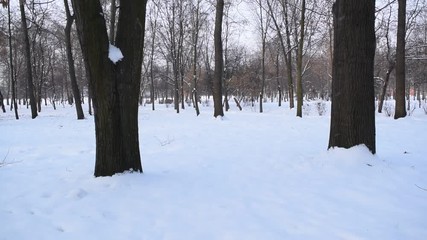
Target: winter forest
{"x":249,"y":119}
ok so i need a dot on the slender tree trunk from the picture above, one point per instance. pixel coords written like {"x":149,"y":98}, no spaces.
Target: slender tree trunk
{"x":400,"y":110}
{"x":71,"y":67}
{"x":278,"y":78}
{"x":219,"y":62}
{"x":289,"y":54}
{"x":153,"y":38}
{"x":1,"y":103}
{"x":12,"y":78}
{"x":116,"y":86}
{"x":195,"y":56}
{"x":30,"y":85}
{"x":353,"y":106}
{"x":263,"y":46}
{"x":299,"y":61}
{"x":385,"y":86}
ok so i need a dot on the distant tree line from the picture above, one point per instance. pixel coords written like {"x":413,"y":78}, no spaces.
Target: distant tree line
{"x":293,"y":61}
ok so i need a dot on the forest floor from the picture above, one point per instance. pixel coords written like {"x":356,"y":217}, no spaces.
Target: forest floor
{"x":246,"y":176}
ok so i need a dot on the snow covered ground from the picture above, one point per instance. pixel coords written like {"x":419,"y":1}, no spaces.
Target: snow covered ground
{"x":246,"y":176}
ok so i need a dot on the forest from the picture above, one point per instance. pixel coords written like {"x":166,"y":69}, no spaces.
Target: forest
{"x":178,"y":65}
{"x":317,"y":132}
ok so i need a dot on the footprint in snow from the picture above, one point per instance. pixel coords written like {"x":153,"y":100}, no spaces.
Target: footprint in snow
{"x":77,"y":194}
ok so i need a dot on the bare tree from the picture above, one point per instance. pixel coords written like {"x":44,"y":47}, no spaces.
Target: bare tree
{"x":400,"y":109}
{"x":391,"y":62}
{"x":71,"y":67}
{"x":115,"y":85}
{"x":299,"y":60}
{"x":219,"y":61}
{"x":11,"y":68}
{"x":28,"y":60}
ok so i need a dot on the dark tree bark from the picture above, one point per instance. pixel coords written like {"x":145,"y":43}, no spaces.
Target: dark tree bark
{"x":400,"y":110}
{"x":196,"y":29}
{"x":219,"y":61}
{"x":70,"y":58}
{"x":353,"y":106}
{"x":299,"y":61}
{"x":113,"y":9}
{"x":289,"y":55}
{"x":115,"y":86}
{"x":12,"y":77}
{"x":33,"y":103}
{"x":1,"y":103}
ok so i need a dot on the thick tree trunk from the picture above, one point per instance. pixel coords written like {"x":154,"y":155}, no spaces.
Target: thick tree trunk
{"x":400,"y":110}
{"x":116,"y":86}
{"x":353,"y":106}
{"x":70,"y":58}
{"x":219,"y":62}
{"x":33,"y":102}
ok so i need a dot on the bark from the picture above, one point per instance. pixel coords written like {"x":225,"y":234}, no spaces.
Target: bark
{"x":289,"y":55}
{"x":115,"y":87}
{"x":263,"y":43}
{"x":12,"y":77}
{"x":353,"y":106}
{"x":299,"y":61}
{"x":33,"y":103}
{"x":113,"y":9}
{"x":195,"y":56}
{"x":219,"y":62}
{"x":400,"y":110}
{"x":71,"y":67}
{"x":385,"y":86}
{"x":1,"y":103}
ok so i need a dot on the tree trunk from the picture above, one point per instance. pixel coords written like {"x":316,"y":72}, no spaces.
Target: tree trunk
{"x":289,"y":54}
{"x":70,"y":58}
{"x":116,"y":86}
{"x":12,"y":78}
{"x":353,"y":106}
{"x":299,"y":61}
{"x":400,"y":110}
{"x":385,"y":86}
{"x":196,"y":28}
{"x":33,"y":103}
{"x":219,"y":62}
{"x":113,"y":9}
{"x":1,"y":103}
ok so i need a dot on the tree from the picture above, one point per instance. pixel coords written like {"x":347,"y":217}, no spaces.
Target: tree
{"x":264,"y":23}
{"x":391,"y":63}
{"x":219,"y":61}
{"x":71,"y":68}
{"x":195,"y":43}
{"x":115,"y":85}
{"x":353,"y":108}
{"x":299,"y":60}
{"x":29,"y":71}
{"x":400,"y":110}
{"x":12,"y":77}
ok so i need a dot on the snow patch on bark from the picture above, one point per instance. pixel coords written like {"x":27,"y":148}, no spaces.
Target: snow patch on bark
{"x":114,"y":54}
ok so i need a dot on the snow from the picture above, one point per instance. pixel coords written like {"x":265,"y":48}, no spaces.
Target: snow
{"x":245,"y":176}
{"x":114,"y":54}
